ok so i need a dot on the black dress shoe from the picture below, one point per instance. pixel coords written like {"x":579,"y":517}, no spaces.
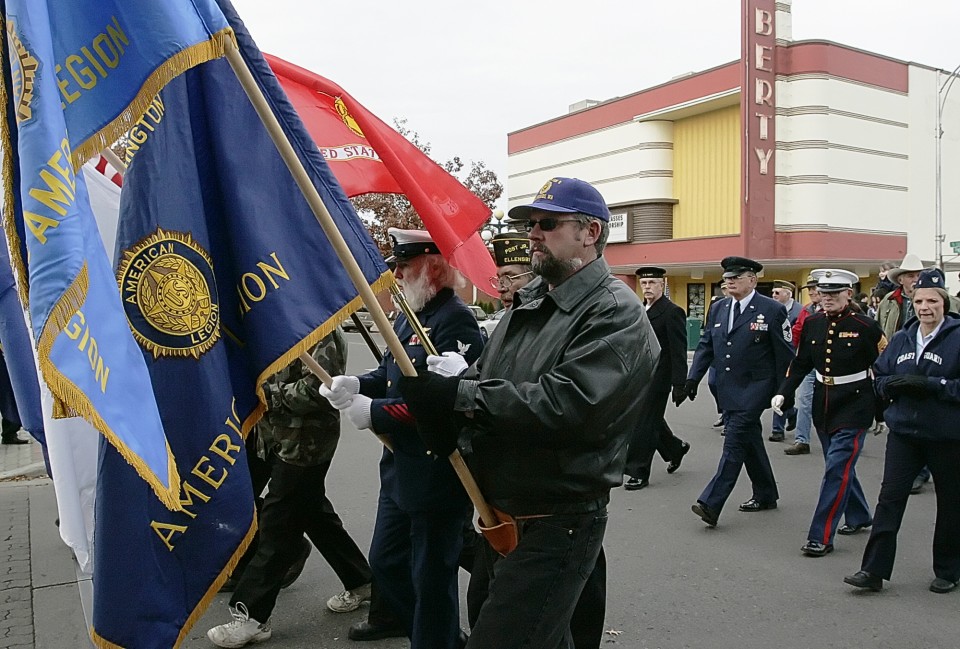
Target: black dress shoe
{"x":863,"y":579}
{"x":14,"y":439}
{"x":675,"y":464}
{"x":816,"y":549}
{"x":363,"y":631}
{"x":776,"y":436}
{"x":635,"y":484}
{"x":754,"y":505}
{"x":706,"y":514}
{"x":915,"y":488}
{"x":939,"y":585}
{"x":847,"y":530}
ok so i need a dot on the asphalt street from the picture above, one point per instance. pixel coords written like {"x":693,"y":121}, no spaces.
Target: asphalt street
{"x":672,"y":582}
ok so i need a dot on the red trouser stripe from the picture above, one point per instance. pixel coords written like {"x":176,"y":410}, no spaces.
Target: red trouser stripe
{"x":844,"y":482}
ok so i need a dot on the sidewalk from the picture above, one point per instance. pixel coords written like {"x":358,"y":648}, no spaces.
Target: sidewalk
{"x":40,"y":603}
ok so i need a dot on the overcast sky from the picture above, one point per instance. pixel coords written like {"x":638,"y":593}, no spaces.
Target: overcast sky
{"x":465,"y":77}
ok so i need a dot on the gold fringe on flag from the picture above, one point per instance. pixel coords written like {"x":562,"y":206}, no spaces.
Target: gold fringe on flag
{"x":74,"y":398}
{"x":9,"y":200}
{"x":384,"y":282}
{"x":161,"y":76}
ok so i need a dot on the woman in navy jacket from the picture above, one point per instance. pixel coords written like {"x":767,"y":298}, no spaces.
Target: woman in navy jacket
{"x":919,"y":373}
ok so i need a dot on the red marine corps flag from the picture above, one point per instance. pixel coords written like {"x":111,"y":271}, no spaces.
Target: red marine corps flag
{"x":368,"y":156}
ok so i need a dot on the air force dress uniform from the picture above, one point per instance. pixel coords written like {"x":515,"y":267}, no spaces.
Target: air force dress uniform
{"x":750,"y":350}
{"x":422,"y":505}
{"x":840,"y":349}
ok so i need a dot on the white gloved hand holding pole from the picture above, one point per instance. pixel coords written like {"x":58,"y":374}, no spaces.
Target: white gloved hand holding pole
{"x":358,"y":411}
{"x":777,"y":404}
{"x":341,"y":391}
{"x":450,"y":364}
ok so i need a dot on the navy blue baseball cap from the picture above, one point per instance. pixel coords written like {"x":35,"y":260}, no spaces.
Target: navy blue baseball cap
{"x":931,"y":278}
{"x":565,"y":195}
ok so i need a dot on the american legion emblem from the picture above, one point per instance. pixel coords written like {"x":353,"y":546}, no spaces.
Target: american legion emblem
{"x":23,"y":72}
{"x":165,"y":284}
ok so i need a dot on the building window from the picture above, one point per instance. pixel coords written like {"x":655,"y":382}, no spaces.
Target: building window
{"x":695,"y":300}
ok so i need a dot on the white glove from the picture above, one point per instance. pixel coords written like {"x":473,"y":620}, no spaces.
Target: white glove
{"x":341,"y":391}
{"x":879,"y":427}
{"x":358,"y":411}
{"x":450,"y":364}
{"x":777,"y":403}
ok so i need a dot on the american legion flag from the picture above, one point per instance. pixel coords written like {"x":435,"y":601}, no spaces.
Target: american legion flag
{"x":223,"y":276}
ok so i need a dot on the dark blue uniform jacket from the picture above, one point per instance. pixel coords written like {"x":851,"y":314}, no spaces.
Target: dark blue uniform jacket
{"x":936,"y":415}
{"x":751,"y":359}
{"x":411,"y":478}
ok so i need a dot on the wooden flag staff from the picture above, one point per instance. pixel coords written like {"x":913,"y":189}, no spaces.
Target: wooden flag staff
{"x":343,"y":253}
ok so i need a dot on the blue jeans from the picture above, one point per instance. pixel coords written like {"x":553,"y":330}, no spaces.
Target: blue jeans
{"x":742,"y":448}
{"x":536,"y":587}
{"x":840,"y":490}
{"x":804,"y":405}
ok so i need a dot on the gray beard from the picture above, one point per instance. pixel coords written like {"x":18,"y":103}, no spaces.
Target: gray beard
{"x":554,"y":270}
{"x":418,"y":292}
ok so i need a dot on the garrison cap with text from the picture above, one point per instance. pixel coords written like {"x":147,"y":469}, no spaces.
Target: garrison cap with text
{"x":511,"y":248}
{"x":736,"y":266}
{"x":834,"y":280}
{"x":407,"y":244}
{"x":931,"y":278}
{"x":650,"y":272}
{"x":567,"y":196}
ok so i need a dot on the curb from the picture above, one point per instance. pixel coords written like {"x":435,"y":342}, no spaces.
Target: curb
{"x":35,"y":470}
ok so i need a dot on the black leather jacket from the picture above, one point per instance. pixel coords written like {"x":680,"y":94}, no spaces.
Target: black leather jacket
{"x":556,"y":393}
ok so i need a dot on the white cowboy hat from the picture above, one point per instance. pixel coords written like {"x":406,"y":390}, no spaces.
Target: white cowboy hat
{"x":910,"y":264}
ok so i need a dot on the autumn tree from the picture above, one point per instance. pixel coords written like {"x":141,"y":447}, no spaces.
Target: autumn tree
{"x":383,"y":211}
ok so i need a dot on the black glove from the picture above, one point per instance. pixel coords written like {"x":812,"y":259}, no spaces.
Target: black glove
{"x":690,"y":389}
{"x":679,"y":394}
{"x":430,"y":398}
{"x":907,"y":384}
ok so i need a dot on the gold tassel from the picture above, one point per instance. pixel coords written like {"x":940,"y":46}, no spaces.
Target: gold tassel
{"x":166,"y":72}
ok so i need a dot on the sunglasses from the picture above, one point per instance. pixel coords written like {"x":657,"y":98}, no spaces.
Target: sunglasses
{"x":547,"y":224}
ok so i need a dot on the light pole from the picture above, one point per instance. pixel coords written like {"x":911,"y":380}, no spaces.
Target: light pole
{"x":494,"y":226}
{"x":942,"y":92}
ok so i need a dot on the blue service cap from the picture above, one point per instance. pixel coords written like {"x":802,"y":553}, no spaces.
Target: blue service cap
{"x":931,"y":278}
{"x":565,"y":195}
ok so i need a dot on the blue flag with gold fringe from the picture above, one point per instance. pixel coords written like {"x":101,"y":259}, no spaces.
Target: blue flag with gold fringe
{"x":225,"y":277}
{"x":77,"y":74}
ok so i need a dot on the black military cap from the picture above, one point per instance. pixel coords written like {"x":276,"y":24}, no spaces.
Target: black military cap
{"x":650,"y":272}
{"x":736,"y":266}
{"x":407,"y":244}
{"x":930,"y":278}
{"x":511,"y":248}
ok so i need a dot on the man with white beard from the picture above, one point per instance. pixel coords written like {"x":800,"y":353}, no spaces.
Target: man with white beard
{"x":422,"y":507}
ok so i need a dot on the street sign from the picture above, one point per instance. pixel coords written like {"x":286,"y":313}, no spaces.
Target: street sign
{"x":955,"y":244}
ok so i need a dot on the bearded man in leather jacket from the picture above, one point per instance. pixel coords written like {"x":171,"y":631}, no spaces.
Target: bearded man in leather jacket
{"x":546,"y":412}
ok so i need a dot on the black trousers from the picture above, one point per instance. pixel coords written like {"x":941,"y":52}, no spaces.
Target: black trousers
{"x":904,"y":459}
{"x":586,"y":625}
{"x":550,"y":592}
{"x":296,"y":503}
{"x":652,"y":434}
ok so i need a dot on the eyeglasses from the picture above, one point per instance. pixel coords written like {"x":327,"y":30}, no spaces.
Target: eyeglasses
{"x":547,"y":224}
{"x":507,"y":280}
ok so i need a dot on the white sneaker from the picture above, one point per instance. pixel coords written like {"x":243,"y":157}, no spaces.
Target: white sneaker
{"x":243,"y":630}
{"x":349,"y":600}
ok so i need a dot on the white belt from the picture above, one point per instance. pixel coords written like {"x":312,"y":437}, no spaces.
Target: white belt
{"x":840,"y":380}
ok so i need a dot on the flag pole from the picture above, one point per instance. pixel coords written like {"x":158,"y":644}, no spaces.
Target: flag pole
{"x":320,"y":211}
